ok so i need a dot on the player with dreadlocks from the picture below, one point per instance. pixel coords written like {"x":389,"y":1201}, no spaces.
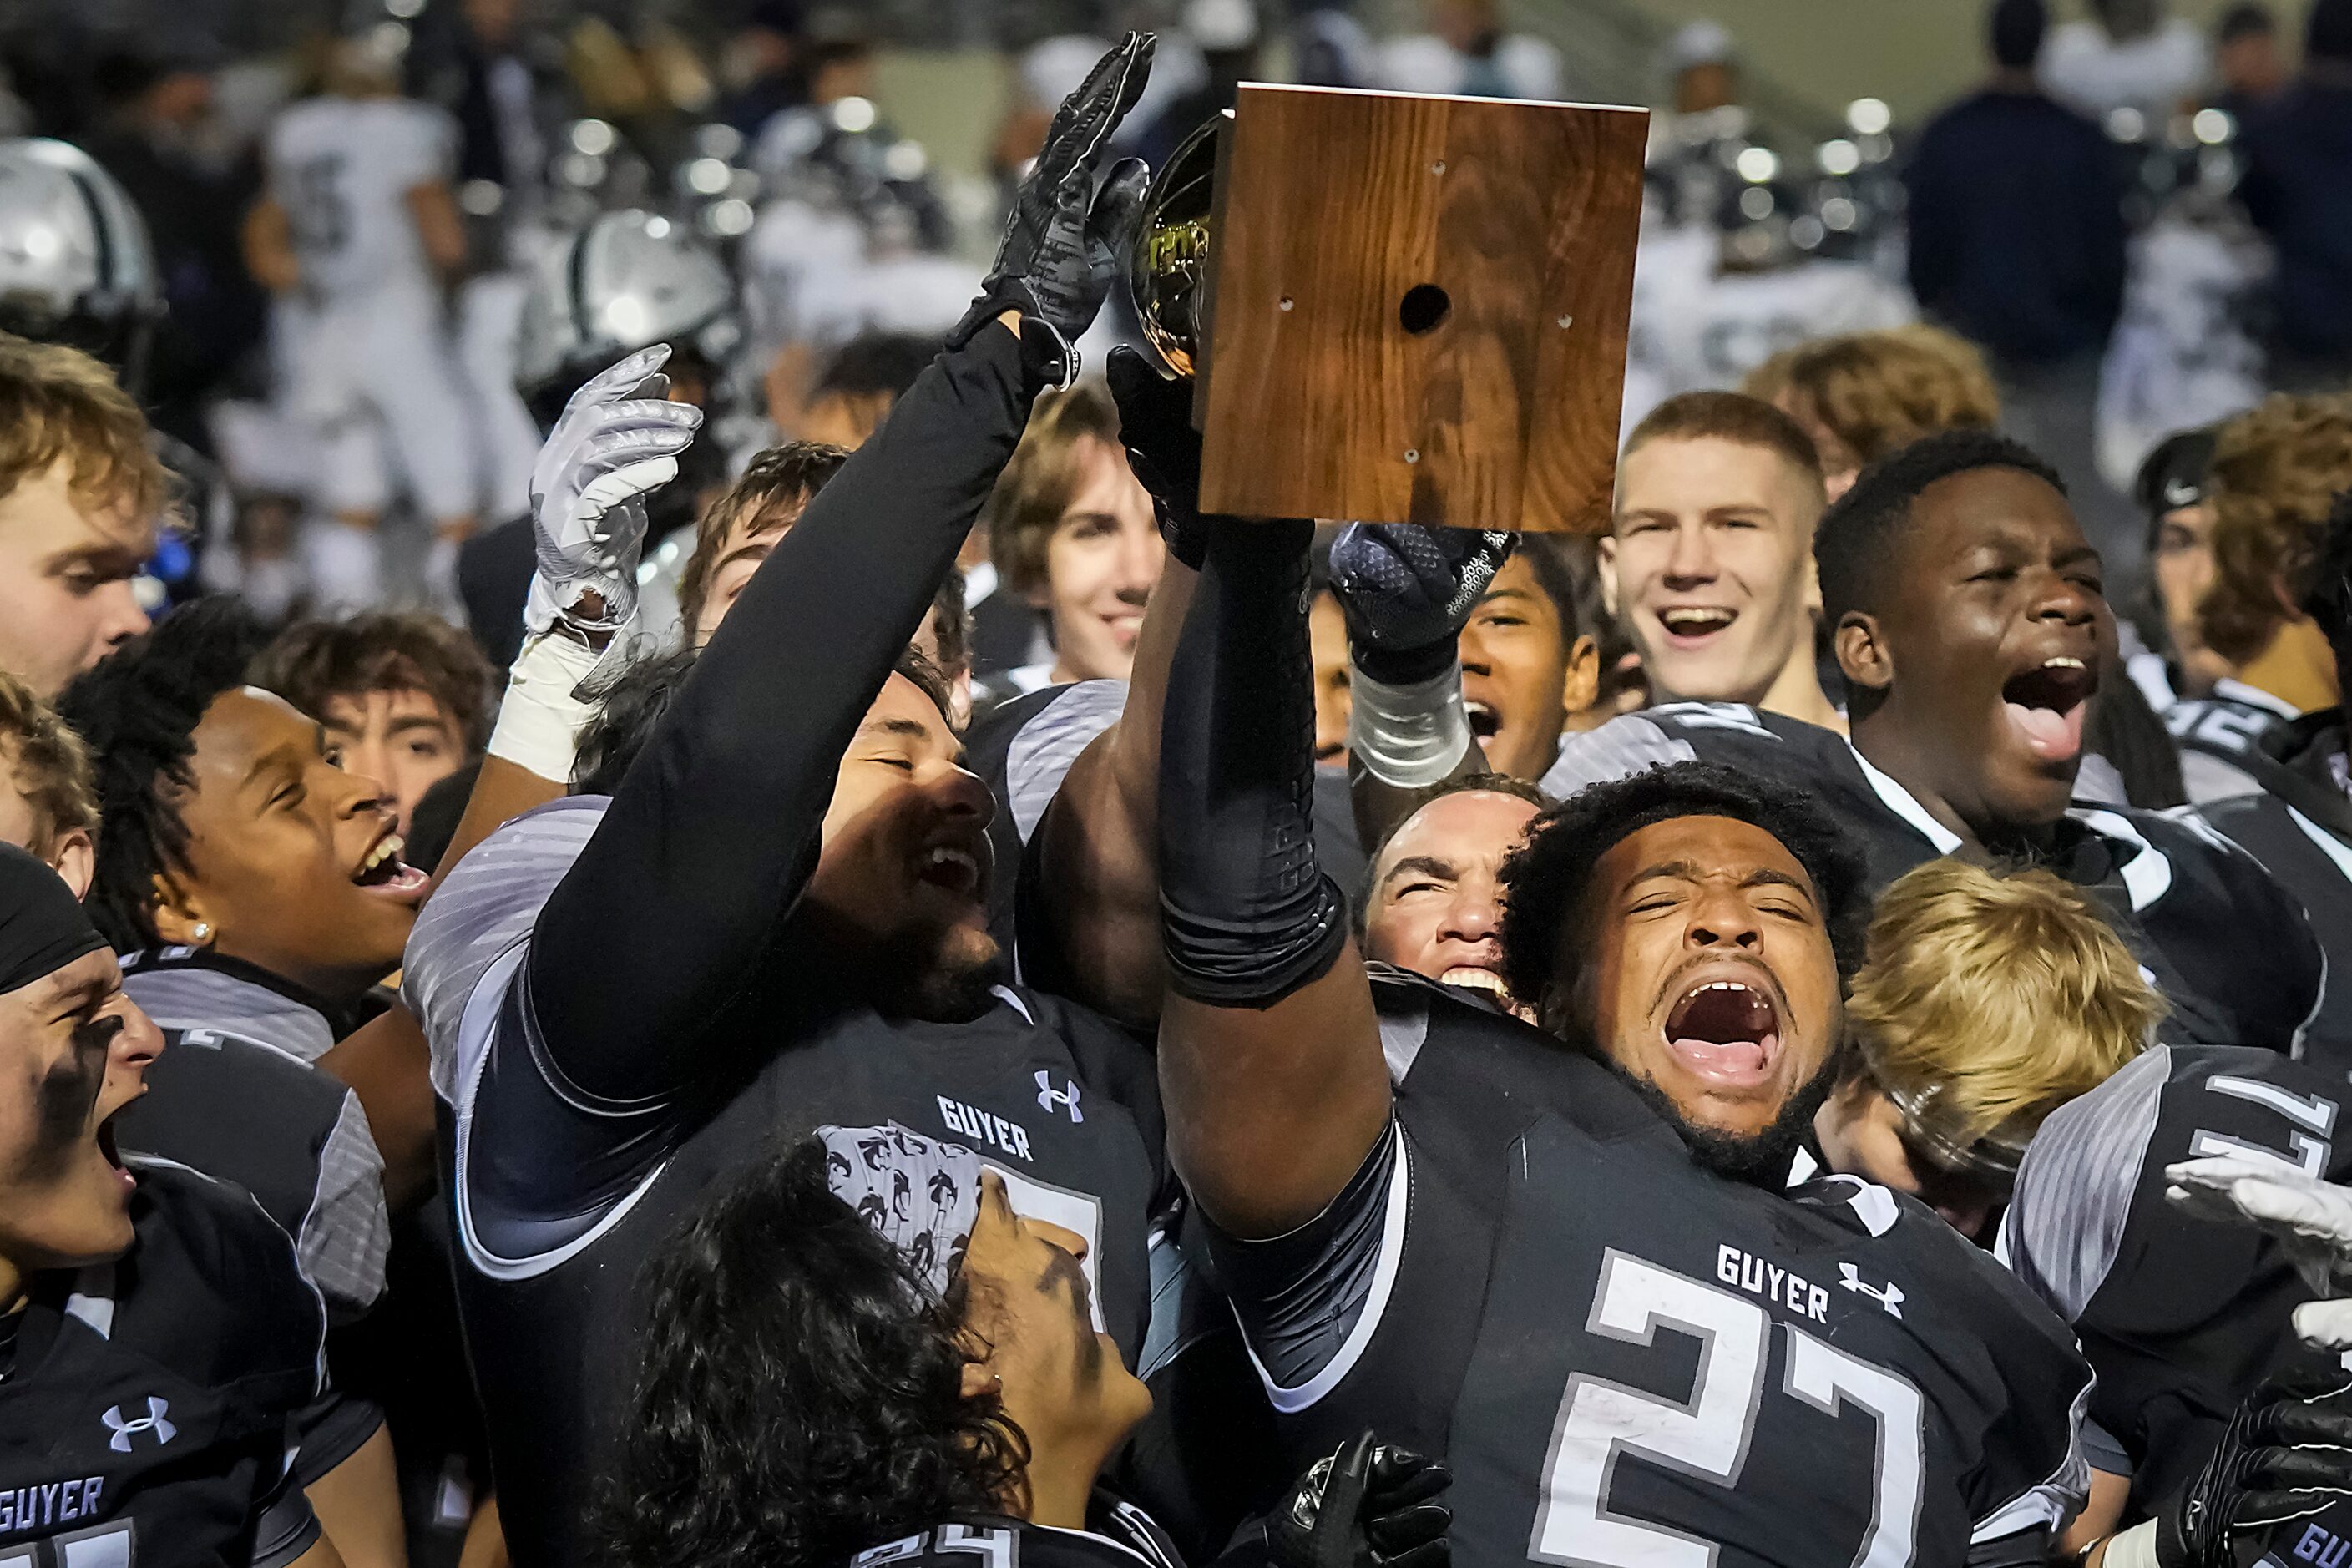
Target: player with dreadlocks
{"x":257,"y":895}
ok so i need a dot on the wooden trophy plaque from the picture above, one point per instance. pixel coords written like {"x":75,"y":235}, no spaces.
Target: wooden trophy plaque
{"x":1417,"y":309}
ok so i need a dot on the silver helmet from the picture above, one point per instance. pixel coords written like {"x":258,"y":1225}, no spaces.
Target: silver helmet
{"x":76,"y":266}
{"x":627,"y":279}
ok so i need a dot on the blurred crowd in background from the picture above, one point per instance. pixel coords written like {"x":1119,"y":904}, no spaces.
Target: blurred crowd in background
{"x":2139,"y":224}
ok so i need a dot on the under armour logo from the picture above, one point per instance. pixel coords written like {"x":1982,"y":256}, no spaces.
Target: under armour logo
{"x":1049,"y":1097}
{"x":1890,"y":1298}
{"x":152,"y":1422}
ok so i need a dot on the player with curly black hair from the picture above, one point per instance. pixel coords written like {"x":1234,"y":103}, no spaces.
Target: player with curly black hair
{"x":1569,"y":1255}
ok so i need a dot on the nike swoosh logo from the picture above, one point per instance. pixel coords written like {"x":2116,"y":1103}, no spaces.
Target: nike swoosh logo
{"x":2177,"y":494}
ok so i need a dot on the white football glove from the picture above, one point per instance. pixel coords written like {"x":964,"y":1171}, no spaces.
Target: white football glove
{"x":2312,"y":1219}
{"x":588,"y":488}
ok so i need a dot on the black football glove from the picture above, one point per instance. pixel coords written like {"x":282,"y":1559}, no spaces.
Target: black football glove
{"x":1155,"y":423}
{"x":1364,"y":1507}
{"x":2286,"y":1454}
{"x":1408,"y":591}
{"x":1071,"y":221}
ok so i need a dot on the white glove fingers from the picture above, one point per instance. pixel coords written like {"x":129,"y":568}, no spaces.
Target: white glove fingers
{"x":2324,"y":1325}
{"x":609,"y":491}
{"x":637,"y":415}
{"x":624,"y":451}
{"x":619,"y":378}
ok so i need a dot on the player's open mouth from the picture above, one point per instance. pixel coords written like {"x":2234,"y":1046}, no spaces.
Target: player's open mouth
{"x":1690,"y":625}
{"x":1483,"y":721}
{"x":1475,"y":977}
{"x":113,"y":1156}
{"x":383,"y":871}
{"x":952,"y":867}
{"x":2046,"y":706}
{"x":1725,"y":1031}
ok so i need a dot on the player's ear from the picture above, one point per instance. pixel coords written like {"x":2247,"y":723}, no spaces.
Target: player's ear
{"x":1862,"y":651}
{"x":1582,"y":687}
{"x":1812,"y":587}
{"x":179,"y":916}
{"x":1604,"y":556}
{"x":75,"y":858}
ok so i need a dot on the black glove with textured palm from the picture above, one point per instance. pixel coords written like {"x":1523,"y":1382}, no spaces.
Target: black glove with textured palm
{"x":1408,"y":591}
{"x":1071,"y":221}
{"x":2286,"y":1454}
{"x":1155,"y":424}
{"x":1367,"y":1505}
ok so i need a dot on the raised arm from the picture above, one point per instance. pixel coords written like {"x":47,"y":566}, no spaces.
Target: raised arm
{"x":715,"y":827}
{"x":1099,"y":841}
{"x":1270,"y":1061}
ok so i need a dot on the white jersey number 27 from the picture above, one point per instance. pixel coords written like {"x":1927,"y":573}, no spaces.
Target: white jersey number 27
{"x":1709,"y":1436}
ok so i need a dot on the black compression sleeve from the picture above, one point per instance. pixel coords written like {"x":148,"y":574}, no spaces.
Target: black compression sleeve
{"x":711,"y":836}
{"x":1247,"y":914}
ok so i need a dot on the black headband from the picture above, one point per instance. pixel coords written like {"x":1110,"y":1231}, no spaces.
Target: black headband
{"x":42,"y":929}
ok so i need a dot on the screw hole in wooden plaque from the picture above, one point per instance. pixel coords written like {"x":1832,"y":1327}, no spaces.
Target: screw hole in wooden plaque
{"x":1423,"y":307}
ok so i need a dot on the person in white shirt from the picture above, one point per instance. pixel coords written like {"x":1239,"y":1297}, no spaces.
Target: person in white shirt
{"x":2131,"y":55}
{"x":355,"y":232}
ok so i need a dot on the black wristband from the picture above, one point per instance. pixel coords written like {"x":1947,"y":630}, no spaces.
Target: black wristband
{"x":1404,"y":666}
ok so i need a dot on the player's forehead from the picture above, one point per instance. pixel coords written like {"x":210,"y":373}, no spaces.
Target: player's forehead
{"x":905,"y":710}
{"x":1468,"y":828}
{"x":1990,"y":508}
{"x":1696,"y":474}
{"x":1694,"y":850}
{"x":246,"y":728}
{"x":85,"y":982}
{"x":353,"y":712}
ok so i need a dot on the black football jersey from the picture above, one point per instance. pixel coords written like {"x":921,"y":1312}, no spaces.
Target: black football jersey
{"x":2300,"y":827}
{"x":2229,"y":948}
{"x":2216,"y":731}
{"x":1628,"y":1359}
{"x":557,"y":1205}
{"x":1123,"y":1538}
{"x":146,"y":1420}
{"x":2180,"y":1317}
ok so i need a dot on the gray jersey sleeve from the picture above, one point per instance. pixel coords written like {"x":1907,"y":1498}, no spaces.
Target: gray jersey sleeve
{"x":1619,"y":749}
{"x":482,"y":909}
{"x":347,"y":1233}
{"x":1040,"y":755}
{"x":2065,"y":1223}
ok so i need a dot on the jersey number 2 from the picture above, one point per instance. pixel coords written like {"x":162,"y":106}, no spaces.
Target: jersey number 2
{"x":1707,"y":1437}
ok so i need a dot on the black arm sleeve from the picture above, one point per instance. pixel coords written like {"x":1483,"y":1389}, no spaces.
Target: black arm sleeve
{"x":711,"y":835}
{"x":1247,"y":914}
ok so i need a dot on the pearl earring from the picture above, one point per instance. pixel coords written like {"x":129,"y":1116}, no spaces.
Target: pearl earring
{"x":203,"y":932}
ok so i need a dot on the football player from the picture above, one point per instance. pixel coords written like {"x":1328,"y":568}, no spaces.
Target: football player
{"x":156,"y":1335}
{"x":79,"y":498}
{"x":404,"y":696}
{"x":355,"y":232}
{"x":2184,"y":1319}
{"x":1565,"y":1258}
{"x":1985,"y":1001}
{"x":777,"y":920}
{"x":1433,"y":900}
{"x":1973,"y":630}
{"x":2300,"y":823}
{"x":974,"y":1419}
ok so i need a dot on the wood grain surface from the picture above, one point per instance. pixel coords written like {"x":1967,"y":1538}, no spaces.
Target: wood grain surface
{"x":1331,"y":205}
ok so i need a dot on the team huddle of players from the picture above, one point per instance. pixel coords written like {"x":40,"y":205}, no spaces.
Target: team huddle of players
{"x":1752,"y":1127}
